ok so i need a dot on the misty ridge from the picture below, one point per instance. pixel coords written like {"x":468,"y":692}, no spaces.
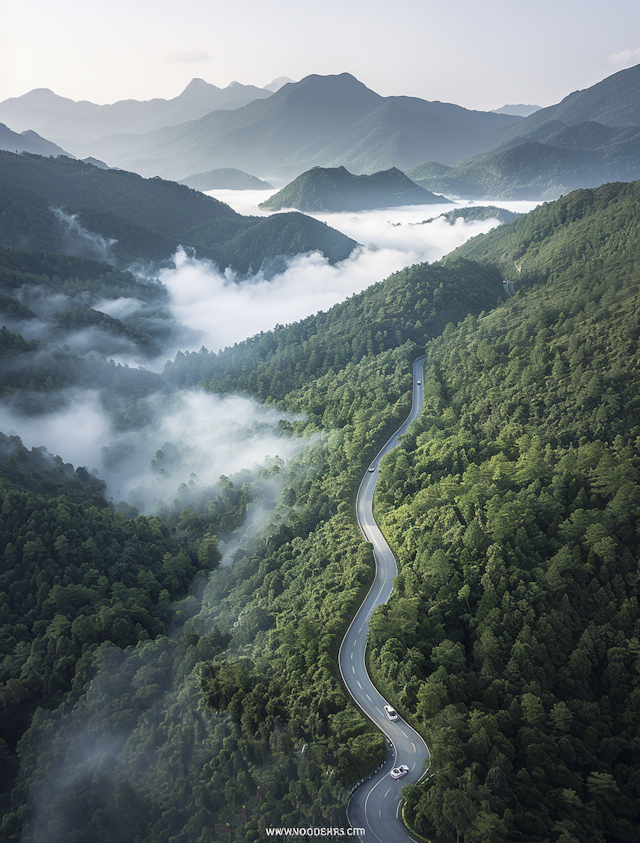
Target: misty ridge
{"x":190,"y":438}
{"x":189,"y":302}
{"x":121,"y":418}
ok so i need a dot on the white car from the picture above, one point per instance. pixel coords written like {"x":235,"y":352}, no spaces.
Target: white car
{"x":418,"y":382}
{"x":391,"y":713}
{"x":371,"y":469}
{"x":399,"y":772}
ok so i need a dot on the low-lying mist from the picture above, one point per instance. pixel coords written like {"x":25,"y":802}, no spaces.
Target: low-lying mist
{"x":205,"y":307}
{"x":191,"y":438}
{"x":225,"y":308}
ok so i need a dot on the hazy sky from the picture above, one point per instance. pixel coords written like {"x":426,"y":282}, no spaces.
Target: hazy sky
{"x":478,"y":54}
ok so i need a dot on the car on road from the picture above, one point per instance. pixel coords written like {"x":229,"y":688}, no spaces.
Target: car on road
{"x":418,"y":382}
{"x":391,"y":713}
{"x":371,"y":469}
{"x":399,"y":772}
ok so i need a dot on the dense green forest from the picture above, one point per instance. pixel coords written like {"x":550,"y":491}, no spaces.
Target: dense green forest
{"x":586,"y":233}
{"x":513,"y":507}
{"x":76,"y":575}
{"x":511,"y":640}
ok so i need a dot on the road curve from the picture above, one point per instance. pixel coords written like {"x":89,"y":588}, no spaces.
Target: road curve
{"x":375,"y":805}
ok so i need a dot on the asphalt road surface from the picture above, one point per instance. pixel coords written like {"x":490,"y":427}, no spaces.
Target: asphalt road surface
{"x":375,"y":805}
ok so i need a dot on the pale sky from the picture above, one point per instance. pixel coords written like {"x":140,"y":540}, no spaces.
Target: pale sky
{"x":477,"y":53}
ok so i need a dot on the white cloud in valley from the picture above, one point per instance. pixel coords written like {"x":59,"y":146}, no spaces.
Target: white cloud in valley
{"x":198,"y":433}
{"x":225,"y":308}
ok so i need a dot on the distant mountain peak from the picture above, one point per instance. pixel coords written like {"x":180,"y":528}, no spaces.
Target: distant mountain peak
{"x":332,"y":79}
{"x":198,"y":86}
{"x":40,"y":92}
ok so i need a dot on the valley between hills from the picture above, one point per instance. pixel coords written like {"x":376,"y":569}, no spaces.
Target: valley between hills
{"x":172,"y":634}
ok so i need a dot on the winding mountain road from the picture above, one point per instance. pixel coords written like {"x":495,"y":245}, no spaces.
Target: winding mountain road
{"x":375,"y":805}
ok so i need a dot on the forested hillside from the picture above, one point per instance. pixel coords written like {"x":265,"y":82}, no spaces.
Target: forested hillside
{"x":72,"y":207}
{"x":414,"y":304}
{"x":263,"y":638}
{"x":77,"y":576}
{"x":336,"y":189}
{"x":512,"y":638}
{"x":586,"y":233}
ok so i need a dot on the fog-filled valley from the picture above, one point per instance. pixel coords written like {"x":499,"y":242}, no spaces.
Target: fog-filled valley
{"x":193,"y":387}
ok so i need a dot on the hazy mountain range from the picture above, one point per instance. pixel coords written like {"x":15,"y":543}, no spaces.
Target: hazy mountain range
{"x":74,"y":123}
{"x":590,"y":137}
{"x":27,"y":141}
{"x":321,"y":120}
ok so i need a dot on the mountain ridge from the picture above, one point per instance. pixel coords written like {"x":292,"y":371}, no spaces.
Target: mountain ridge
{"x":82,"y":122}
{"x":336,"y":189}
{"x":270,"y":133}
{"x":63,"y":205}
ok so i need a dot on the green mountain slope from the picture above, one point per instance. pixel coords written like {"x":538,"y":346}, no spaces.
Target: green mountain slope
{"x":512,"y":637}
{"x":66,"y":206}
{"x":591,"y":137}
{"x":589,"y":231}
{"x":513,"y":509}
{"x":161,"y":206}
{"x":258,"y":241}
{"x":336,"y":189}
{"x":512,"y":634}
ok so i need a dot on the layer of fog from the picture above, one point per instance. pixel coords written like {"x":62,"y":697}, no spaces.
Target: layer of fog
{"x":154,"y":320}
{"x":225,"y":308}
{"x":217,"y":308}
{"x":192,"y":438}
